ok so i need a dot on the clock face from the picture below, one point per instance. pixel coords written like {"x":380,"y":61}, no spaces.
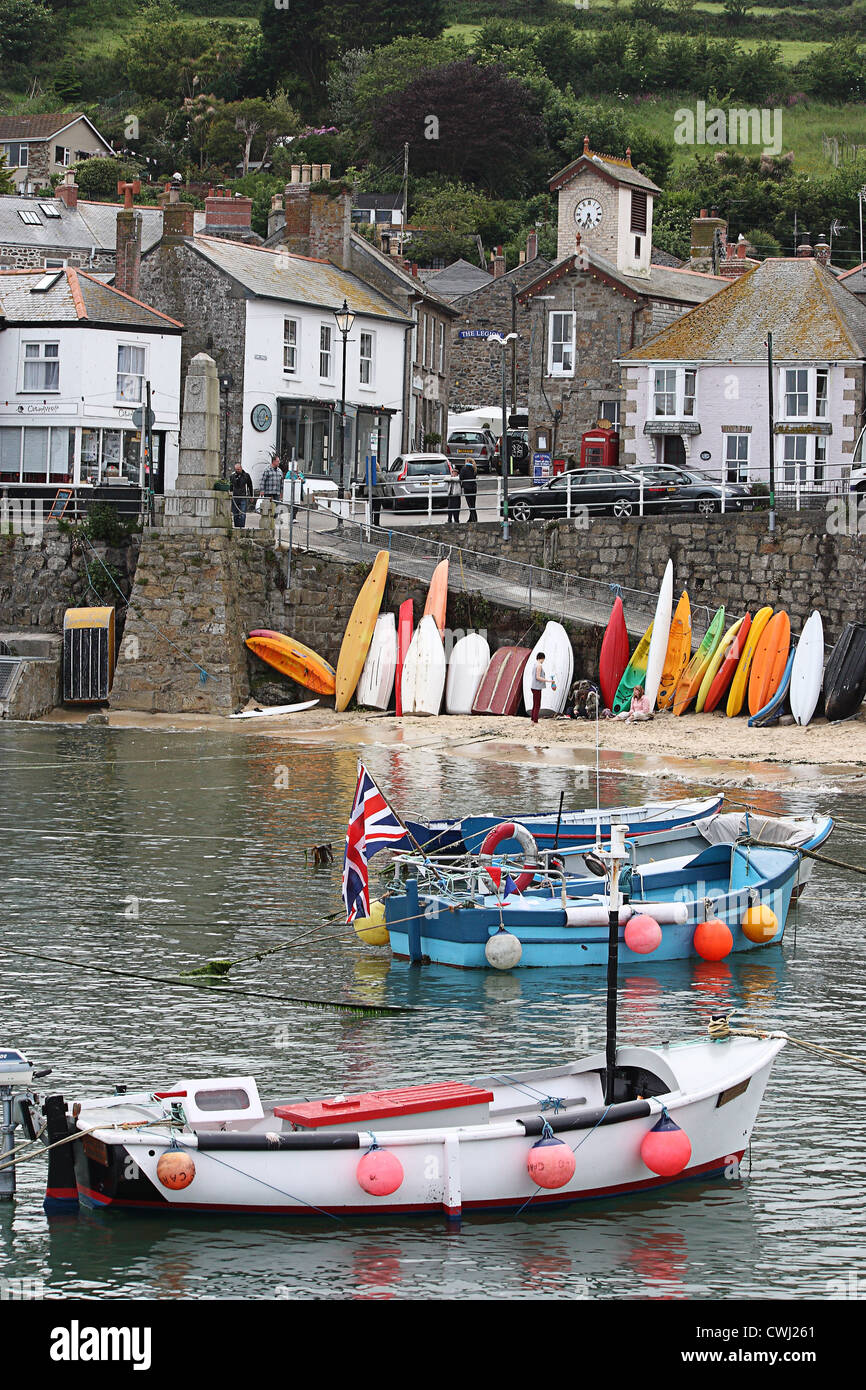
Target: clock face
{"x":588,"y":213}
{"x":261,"y":417}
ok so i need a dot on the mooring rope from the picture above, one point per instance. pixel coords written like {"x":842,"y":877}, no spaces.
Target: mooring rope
{"x":719,"y":1029}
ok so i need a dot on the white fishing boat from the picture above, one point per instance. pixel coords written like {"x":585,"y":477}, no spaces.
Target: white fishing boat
{"x":376,"y":681}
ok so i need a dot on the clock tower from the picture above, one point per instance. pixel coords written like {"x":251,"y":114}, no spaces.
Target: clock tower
{"x":611,"y":205}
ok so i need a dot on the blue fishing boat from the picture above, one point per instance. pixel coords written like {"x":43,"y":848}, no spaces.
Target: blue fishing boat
{"x":741,"y":895}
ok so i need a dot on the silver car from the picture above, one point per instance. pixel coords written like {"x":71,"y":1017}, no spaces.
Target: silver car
{"x":414,"y":479}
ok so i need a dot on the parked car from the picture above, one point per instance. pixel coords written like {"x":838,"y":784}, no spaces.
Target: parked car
{"x":518,"y":450}
{"x":694,"y":491}
{"x":478,"y":445}
{"x":413,"y":478}
{"x":602,"y":490}
{"x":857,"y":480}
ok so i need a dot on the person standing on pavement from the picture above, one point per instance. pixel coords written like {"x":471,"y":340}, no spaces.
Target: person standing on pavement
{"x":537,"y":684}
{"x":469,"y":484}
{"x":242,"y":490}
{"x":454,"y":498}
{"x":272,"y":480}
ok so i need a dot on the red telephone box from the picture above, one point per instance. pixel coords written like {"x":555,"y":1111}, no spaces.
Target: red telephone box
{"x":599,"y":449}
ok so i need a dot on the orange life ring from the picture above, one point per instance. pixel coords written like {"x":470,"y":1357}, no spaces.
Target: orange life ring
{"x":512,"y":830}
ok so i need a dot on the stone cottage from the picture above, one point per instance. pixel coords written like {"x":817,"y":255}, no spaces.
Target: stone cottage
{"x":38,"y":146}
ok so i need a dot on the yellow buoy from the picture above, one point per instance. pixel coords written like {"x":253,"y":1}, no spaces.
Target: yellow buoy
{"x":372,"y":929}
{"x":760,"y":924}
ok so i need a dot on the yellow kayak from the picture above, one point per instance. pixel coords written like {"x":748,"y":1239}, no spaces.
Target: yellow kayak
{"x":716,"y":660}
{"x":740,"y":683}
{"x":690,"y":681}
{"x":359,"y":630}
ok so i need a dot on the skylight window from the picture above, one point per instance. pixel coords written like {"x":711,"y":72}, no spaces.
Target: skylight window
{"x":49,"y":209}
{"x":30,"y":217}
{"x":46,"y":283}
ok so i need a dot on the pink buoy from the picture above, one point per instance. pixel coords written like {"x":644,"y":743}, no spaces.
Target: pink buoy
{"x":666,"y":1149}
{"x":379,"y":1172}
{"x":642,"y":934}
{"x":550,"y":1163}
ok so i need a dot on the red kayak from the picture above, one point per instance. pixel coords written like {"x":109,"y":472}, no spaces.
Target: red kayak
{"x":405,"y":624}
{"x":500,"y":690}
{"x":725,"y":673}
{"x":614,"y":654}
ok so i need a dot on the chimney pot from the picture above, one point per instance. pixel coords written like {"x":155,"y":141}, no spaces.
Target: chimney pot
{"x":741,"y":250}
{"x":532,"y":246}
{"x":586,"y":144}
{"x":316,"y":170}
{"x":296,"y":173}
{"x":703,"y":212}
{"x":822,"y":252}
{"x":305,"y":173}
{"x":326,"y":172}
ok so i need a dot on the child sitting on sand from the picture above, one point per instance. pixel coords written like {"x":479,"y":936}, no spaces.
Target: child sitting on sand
{"x":638,"y":709}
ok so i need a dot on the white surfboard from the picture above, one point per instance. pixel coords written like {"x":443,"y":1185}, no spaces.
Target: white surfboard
{"x":268,"y":711}
{"x":558,"y":663}
{"x":377,"y":677}
{"x":424,"y":670}
{"x":807,"y":672}
{"x":467,"y":668}
{"x":661,"y":634}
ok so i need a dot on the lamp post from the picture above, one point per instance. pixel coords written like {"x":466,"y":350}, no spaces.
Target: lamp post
{"x":345,"y":318}
{"x":503,"y":343}
{"x":772,"y":423}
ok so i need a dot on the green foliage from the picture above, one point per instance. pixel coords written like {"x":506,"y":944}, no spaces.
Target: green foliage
{"x":736,"y":10}
{"x":102,"y":523}
{"x":764,"y":244}
{"x":672,"y":223}
{"x":7,"y":183}
{"x":98,"y":178}
{"x":450,"y":216}
{"x":165,"y":59}
{"x":836,"y":72}
{"x":26,"y":27}
{"x":612,"y":131}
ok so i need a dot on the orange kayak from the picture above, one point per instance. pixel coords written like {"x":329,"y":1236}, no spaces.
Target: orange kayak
{"x":294,"y":660}
{"x":437,"y":596}
{"x":771,"y":657}
{"x":725,"y":673}
{"x":678,"y":652}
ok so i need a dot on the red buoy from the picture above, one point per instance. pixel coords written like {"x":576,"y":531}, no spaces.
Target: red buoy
{"x":642,"y":934}
{"x":666,"y":1149}
{"x":379,"y":1172}
{"x":713,"y":940}
{"x":551,"y":1163}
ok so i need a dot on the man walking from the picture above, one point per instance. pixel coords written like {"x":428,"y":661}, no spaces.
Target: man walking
{"x":272,"y":480}
{"x":469,"y":484}
{"x":242,"y":490}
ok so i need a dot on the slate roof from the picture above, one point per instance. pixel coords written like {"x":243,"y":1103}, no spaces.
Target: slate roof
{"x":461,"y":277}
{"x":854,"y":280}
{"x":412,"y":284}
{"x":79,"y":228}
{"x":44,"y":126}
{"x":75,"y":297}
{"x":797,"y":300}
{"x":662,"y":282}
{"x":277,"y":274}
{"x":618,"y":170}
{"x":370,"y":202}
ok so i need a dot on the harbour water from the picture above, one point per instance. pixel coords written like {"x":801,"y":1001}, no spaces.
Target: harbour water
{"x":153,"y":852}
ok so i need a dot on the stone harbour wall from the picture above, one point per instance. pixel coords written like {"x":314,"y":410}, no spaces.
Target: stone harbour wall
{"x":41,"y":578}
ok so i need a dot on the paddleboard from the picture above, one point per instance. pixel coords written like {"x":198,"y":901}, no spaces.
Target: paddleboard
{"x":470,"y":658}
{"x":268,"y":712}
{"x":405,"y":624}
{"x":359,"y":630}
{"x":634,"y":673}
{"x":613,"y":658}
{"x":294,"y":660}
{"x":678,"y":653}
{"x":725,"y":673}
{"x":558,"y":664}
{"x":690,"y":680}
{"x":845,"y":676}
{"x":768,"y":665}
{"x":775,"y":706}
{"x":437,"y":596}
{"x":499,"y":691}
{"x":715,"y":662}
{"x":740,"y":683}
{"x":424,"y":670}
{"x":661,"y":634}
{"x":807,"y":672}
{"x":377,"y":678}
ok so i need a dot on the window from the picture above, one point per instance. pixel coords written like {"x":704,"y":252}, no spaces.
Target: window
{"x":441,"y":349}
{"x":638,"y":211}
{"x":30,"y":217}
{"x":795,"y":458}
{"x":637,"y":248}
{"x":325,"y":353}
{"x":432,"y":323}
{"x":130,"y":373}
{"x":737,"y":458}
{"x":36,"y":454}
{"x":560,"y":360}
{"x":689,"y":392}
{"x":290,"y":346}
{"x":609,"y":410}
{"x":17,"y":156}
{"x":821,"y":386}
{"x":820,"y":458}
{"x":49,"y":209}
{"x":366,"y":340}
{"x":61,"y":155}
{"x":796,"y":392}
{"x":53,"y":263}
{"x":41,"y":367}
{"x":665,"y":392}
{"x":424,"y":341}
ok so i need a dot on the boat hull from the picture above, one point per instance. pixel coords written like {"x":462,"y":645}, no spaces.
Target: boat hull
{"x":576,"y":829}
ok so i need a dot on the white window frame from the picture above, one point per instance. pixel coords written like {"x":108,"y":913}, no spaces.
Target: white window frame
{"x":799,"y":393}
{"x":423,"y":326}
{"x":367,"y":359}
{"x":685,"y":400}
{"x":612,"y":415}
{"x":291,"y":347}
{"x":54,"y":263}
{"x":822,"y":402}
{"x":41,"y":358}
{"x":664,"y":393}
{"x":563,"y":347}
{"x":67,"y":156}
{"x":792,"y":465}
{"x":49,"y":478}
{"x":141,"y":377}
{"x":738,"y":468}
{"x":19,"y":163}
{"x":326,"y":352}
{"x":441,"y":349}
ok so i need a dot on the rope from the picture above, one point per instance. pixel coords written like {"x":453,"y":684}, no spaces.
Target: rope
{"x":719,"y":1028}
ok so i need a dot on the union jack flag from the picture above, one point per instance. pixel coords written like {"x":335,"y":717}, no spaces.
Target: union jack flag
{"x":372,"y":826}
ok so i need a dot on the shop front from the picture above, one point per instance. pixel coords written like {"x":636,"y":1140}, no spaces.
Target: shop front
{"x":308,"y":432}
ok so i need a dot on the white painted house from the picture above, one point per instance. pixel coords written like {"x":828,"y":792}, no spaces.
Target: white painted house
{"x":75,"y":357}
{"x":697,"y":394}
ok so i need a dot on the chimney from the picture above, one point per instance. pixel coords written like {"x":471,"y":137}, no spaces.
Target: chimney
{"x":277,"y":215}
{"x":127,"y":263}
{"x":227,"y":216}
{"x":498,"y":263}
{"x":741,"y":247}
{"x":306,"y":173}
{"x":804,"y":251}
{"x":736,"y":261}
{"x":296,"y":173}
{"x":703,"y":238}
{"x":326,"y":173}
{"x":522,"y":258}
{"x":532,"y":246}
{"x":67,"y":191}
{"x":296,"y":218}
{"x":330,"y":227}
{"x":177,"y":221}
{"x":822,"y":252}
{"x":316,"y":173}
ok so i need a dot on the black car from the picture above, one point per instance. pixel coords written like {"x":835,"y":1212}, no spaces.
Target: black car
{"x":693,"y":491}
{"x":601,"y":490}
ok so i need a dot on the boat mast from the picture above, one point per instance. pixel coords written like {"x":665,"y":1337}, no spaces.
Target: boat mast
{"x":615,"y":857}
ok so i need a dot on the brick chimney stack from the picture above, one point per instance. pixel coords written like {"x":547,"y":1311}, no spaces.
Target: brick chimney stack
{"x":704,"y":230}
{"x":317,"y":224}
{"x":67,"y":191}
{"x":804,"y":251}
{"x":227,"y":215}
{"x":498,"y":263}
{"x":177,"y":221}
{"x":127,"y":262}
{"x":532,"y":246}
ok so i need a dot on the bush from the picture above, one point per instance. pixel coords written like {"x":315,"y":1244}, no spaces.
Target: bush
{"x":98,"y":178}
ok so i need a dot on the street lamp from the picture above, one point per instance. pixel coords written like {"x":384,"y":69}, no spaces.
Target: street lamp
{"x":345,"y":318}
{"x":503,"y":343}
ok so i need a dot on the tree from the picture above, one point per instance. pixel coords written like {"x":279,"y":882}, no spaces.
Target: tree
{"x":449,"y":218}
{"x":736,"y":10}
{"x":99,"y":177}
{"x":7,"y":183}
{"x":373,"y":23}
{"x":25,"y":29}
{"x":467,"y":122}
